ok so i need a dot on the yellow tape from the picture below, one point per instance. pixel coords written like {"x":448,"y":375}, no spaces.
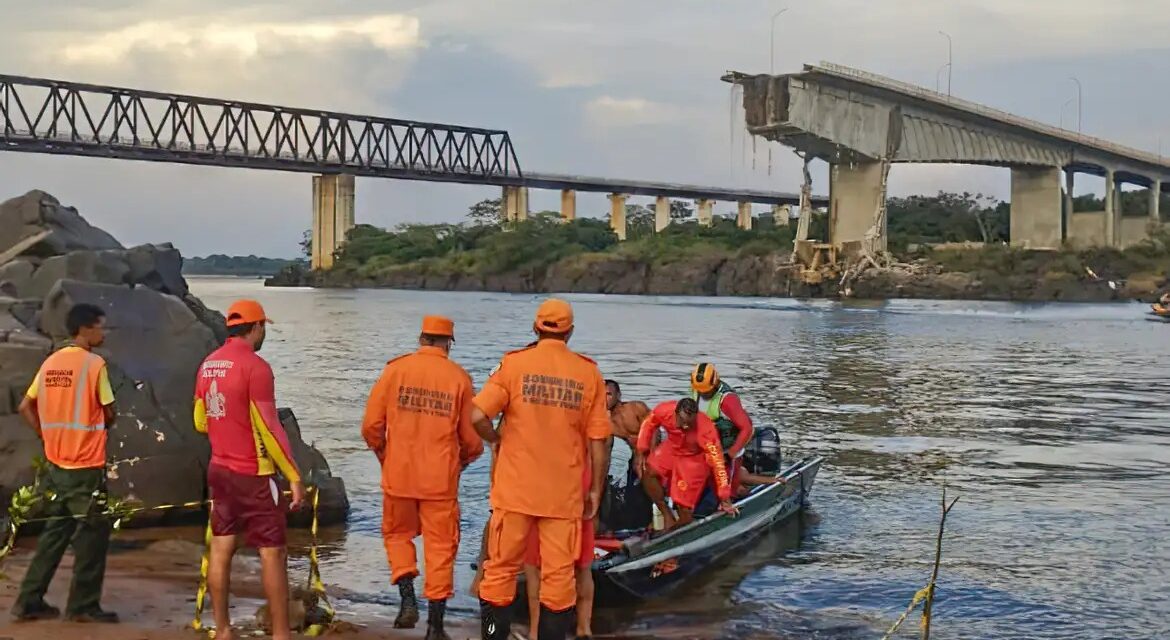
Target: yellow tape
{"x":315,"y":583}
{"x":204,"y":565}
{"x":919,"y":596}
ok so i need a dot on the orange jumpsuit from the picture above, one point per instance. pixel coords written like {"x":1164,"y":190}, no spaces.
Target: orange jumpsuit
{"x":553,"y":401}
{"x":682,"y":461}
{"x":418,"y":421}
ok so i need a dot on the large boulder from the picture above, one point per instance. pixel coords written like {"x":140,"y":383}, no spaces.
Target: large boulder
{"x":16,"y":276}
{"x":37,"y":211}
{"x":158,"y":267}
{"x":105,"y":267}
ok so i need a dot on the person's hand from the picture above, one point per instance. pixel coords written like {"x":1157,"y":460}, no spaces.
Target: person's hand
{"x":639,"y":463}
{"x":728,"y":508}
{"x":592,"y":502}
{"x":298,"y":497}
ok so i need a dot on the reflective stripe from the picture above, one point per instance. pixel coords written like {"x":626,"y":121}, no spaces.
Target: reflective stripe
{"x":77,"y":426}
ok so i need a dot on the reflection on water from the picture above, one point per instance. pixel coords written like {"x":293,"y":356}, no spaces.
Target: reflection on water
{"x":1048,"y":420}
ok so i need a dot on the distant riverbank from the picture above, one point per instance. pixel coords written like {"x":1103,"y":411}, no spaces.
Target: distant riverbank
{"x":989,"y":273}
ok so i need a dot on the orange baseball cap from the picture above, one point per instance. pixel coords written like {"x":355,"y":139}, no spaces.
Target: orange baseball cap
{"x":554,"y":316}
{"x":246,"y":311}
{"x":438,"y":326}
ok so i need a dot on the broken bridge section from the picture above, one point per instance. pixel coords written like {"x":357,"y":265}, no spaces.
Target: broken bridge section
{"x":861,"y":123}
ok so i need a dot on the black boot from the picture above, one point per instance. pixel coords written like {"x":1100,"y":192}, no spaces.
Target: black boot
{"x":436,"y":610}
{"x":408,"y":609}
{"x":555,"y":625}
{"x":495,"y":623}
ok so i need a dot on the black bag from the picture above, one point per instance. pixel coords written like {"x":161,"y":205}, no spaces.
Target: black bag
{"x":625,"y":506}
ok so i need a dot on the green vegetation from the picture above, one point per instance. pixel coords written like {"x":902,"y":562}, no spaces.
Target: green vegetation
{"x":221,"y":265}
{"x":483,"y":245}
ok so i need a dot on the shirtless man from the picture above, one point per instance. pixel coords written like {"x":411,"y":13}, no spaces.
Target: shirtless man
{"x":626,"y":417}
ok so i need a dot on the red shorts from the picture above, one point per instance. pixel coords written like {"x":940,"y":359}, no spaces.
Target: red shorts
{"x":683,"y":476}
{"x":584,"y":559}
{"x":248,"y":505}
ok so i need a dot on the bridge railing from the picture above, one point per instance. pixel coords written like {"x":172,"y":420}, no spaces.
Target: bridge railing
{"x":49,"y":116}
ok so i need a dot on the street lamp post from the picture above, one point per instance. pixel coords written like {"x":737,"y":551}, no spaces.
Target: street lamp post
{"x":1080,"y":94}
{"x":772,"y":53}
{"x":950,"y":59}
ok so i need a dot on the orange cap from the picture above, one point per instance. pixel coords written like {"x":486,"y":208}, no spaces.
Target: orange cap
{"x":246,"y":311}
{"x":438,"y":326}
{"x":554,"y":316}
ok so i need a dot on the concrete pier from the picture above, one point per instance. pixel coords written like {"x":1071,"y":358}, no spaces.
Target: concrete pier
{"x":855,"y":192}
{"x":705,"y":215}
{"x":1070,"y":177}
{"x":1153,"y":208}
{"x":515,"y":204}
{"x":333,"y":217}
{"x":661,"y":213}
{"x":743,"y":216}
{"x":780,"y":214}
{"x":1086,"y":229}
{"x":568,"y":204}
{"x":1111,"y":215}
{"x":1036,"y":215}
{"x":617,"y":214}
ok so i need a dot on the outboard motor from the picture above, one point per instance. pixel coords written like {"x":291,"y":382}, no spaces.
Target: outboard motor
{"x":763,"y":453}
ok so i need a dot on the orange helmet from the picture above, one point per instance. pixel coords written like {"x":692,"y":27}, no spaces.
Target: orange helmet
{"x":704,"y":378}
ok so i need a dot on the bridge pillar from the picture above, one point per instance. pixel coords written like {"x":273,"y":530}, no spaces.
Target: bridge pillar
{"x":617,"y":214}
{"x":515,"y":203}
{"x":705,"y":216}
{"x":743,"y":216}
{"x":1036,"y":208}
{"x":1070,"y":177}
{"x":332,"y":217}
{"x":568,"y":204}
{"x":661,"y":214}
{"x":1111,"y":215}
{"x":855,"y":192}
{"x":1154,"y":208}
{"x":780,"y":213}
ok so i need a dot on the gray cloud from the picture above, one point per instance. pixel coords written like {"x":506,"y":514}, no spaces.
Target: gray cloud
{"x":604,"y":88}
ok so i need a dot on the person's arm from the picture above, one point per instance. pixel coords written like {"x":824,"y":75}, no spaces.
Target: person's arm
{"x":470,"y":442}
{"x":598,"y":430}
{"x":646,"y":435}
{"x":374,"y":420}
{"x":105,"y":397}
{"x":490,"y":403}
{"x":262,"y":410}
{"x":733,"y":409}
{"x":28,"y":411}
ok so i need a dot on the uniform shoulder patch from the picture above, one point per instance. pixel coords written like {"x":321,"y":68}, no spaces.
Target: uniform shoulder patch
{"x":397,"y":358}
{"x":585,"y":358}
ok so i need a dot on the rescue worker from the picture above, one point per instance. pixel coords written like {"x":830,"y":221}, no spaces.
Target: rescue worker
{"x":583,"y":568}
{"x":553,"y":403}
{"x":418,"y":423}
{"x":70,"y":405}
{"x":720,"y":403}
{"x":690,"y":454}
{"x":235,"y":405}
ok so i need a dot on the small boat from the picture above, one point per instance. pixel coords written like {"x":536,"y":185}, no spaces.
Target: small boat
{"x":638,"y":566}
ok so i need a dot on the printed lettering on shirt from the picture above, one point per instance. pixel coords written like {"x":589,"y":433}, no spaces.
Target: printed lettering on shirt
{"x":429,"y":401}
{"x":213,"y":402}
{"x":552,"y":391}
{"x":59,"y":378}
{"x":216,"y":368}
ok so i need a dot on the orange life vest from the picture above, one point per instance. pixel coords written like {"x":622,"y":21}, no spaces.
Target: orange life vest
{"x":73,"y":422}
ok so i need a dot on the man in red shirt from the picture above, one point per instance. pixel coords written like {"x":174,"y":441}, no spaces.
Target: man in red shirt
{"x":235,"y":405}
{"x":720,"y":403}
{"x":690,"y":454}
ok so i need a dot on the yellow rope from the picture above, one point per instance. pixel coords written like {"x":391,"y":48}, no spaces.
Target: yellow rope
{"x":919,"y":597}
{"x":204,"y":565}
{"x":315,"y":583}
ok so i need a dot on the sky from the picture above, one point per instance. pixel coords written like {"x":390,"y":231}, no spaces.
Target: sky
{"x":613,"y":88}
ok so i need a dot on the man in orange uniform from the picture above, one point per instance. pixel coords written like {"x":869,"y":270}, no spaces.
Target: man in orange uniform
{"x":71,"y":407}
{"x":235,"y":405}
{"x":555,"y":419}
{"x":418,"y":423}
{"x":690,"y":454}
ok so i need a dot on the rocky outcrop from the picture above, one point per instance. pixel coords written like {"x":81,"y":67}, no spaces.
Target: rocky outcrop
{"x":158,"y":334}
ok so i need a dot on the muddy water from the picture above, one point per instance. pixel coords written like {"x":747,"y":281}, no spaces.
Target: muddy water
{"x":1048,"y":421}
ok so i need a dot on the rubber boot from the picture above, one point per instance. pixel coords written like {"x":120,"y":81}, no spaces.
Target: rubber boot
{"x":556,"y":625}
{"x":408,"y":609}
{"x":495,"y":623}
{"x":436,"y":610}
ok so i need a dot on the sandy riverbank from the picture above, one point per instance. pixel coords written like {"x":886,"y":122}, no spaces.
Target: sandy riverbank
{"x":151,"y":580}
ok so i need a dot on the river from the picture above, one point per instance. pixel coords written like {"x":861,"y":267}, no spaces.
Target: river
{"x":1049,"y":422}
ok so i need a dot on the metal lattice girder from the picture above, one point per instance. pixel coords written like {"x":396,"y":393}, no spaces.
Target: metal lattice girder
{"x":47,"y":116}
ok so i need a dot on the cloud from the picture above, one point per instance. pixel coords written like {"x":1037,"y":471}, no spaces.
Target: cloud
{"x":195,"y":37}
{"x":610,"y":111}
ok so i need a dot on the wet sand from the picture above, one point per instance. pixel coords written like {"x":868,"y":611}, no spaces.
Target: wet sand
{"x":151,"y":579}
